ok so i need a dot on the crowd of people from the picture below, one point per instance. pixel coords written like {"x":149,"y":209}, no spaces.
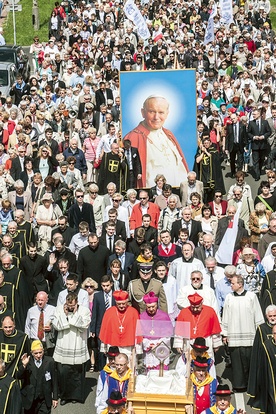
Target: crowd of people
{"x":88,"y":249}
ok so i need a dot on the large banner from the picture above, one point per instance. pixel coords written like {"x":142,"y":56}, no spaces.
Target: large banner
{"x":159,"y":118}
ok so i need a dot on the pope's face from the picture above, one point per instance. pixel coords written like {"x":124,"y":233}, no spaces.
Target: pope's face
{"x":155,"y":113}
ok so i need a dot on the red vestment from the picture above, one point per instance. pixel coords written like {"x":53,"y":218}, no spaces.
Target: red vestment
{"x":111,"y":333}
{"x":203,"y":324}
{"x":138,"y":138}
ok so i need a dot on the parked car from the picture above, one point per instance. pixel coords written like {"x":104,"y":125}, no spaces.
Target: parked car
{"x":17,"y":56}
{"x":8,"y":74}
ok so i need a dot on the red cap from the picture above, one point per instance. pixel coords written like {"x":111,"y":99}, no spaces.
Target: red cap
{"x":120,"y":295}
{"x":150,"y":298}
{"x":195,"y":299}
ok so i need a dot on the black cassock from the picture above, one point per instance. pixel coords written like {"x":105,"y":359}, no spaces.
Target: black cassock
{"x":112,"y":170}
{"x":265,"y":401}
{"x":268,"y":292}
{"x":256,"y":373}
{"x":10,"y":401}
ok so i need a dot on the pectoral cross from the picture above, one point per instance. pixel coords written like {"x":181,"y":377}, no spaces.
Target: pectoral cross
{"x":121,"y":328}
{"x":195,"y":329}
{"x":152,"y":332}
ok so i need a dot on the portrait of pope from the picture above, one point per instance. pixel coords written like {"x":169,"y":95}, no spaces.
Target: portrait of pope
{"x":159,"y":149}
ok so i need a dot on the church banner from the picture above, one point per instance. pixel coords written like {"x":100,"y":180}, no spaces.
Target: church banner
{"x":159,"y":118}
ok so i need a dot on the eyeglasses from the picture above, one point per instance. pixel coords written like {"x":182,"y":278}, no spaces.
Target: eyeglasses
{"x":235,"y":194}
{"x":71,"y":163}
{"x":89,"y":287}
{"x":116,"y":201}
{"x":196,"y":278}
{"x":79,"y":196}
{"x":93,"y":192}
{"x":271,"y":176}
{"x":143,"y":198}
{"x":218,"y":196}
{"x":42,"y":151}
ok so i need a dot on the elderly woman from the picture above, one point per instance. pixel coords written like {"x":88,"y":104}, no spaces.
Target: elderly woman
{"x":6,"y":181}
{"x":89,"y":148}
{"x":162,"y":199}
{"x":122,"y":211}
{"x":72,"y":168}
{"x":240,"y":182}
{"x":97,"y":202}
{"x":258,"y":223}
{"x":169,"y":214}
{"x":251,"y":270}
{"x":47,"y":217}
{"x":131,"y":195}
{"x":155,"y":191}
{"x":90,"y":285}
{"x":21,"y":199}
{"x":244,"y":243}
{"x":218,"y":205}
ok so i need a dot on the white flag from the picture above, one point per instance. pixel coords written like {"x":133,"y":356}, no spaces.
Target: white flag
{"x":226,"y":11}
{"x":133,"y":13}
{"x":209,"y":34}
{"x":225,"y":251}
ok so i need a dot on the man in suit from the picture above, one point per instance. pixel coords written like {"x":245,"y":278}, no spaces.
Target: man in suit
{"x":190,"y":186}
{"x":40,"y":386}
{"x":151,"y":235}
{"x":17,"y":165}
{"x":193,"y":226}
{"x":81,"y":211}
{"x":120,"y":227}
{"x":57,"y":277}
{"x":116,"y":109}
{"x":227,"y":222}
{"x":109,"y":238}
{"x":258,"y":133}
{"x":102,"y":301}
{"x":138,"y":288}
{"x":125,"y":258}
{"x":56,"y":83}
{"x":99,"y":116}
{"x":102,"y":95}
{"x":207,"y":249}
{"x":236,"y":141}
{"x":134,"y":164}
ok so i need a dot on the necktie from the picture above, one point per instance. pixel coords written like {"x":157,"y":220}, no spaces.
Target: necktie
{"x":103,"y":117}
{"x":274,"y":123}
{"x":38,"y":363}
{"x":110,"y":244}
{"x":167,"y":250}
{"x":106,"y":301}
{"x":259,"y":125}
{"x":40,"y":330}
{"x":235,"y":134}
{"x":212,"y":283}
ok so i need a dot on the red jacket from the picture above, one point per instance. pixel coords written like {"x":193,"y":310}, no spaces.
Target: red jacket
{"x":136,"y":215}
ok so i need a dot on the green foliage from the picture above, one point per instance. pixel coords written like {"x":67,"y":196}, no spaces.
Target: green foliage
{"x":24,"y":23}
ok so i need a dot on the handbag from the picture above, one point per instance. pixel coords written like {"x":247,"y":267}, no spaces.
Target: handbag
{"x":97,"y":164}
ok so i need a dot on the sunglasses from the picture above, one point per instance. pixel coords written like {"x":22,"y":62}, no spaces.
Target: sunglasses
{"x":71,"y":163}
{"x":196,"y":278}
{"x":218,"y":196}
{"x":93,"y":192}
{"x":79,"y":196}
{"x":116,"y":201}
{"x":142,"y":198}
{"x":89,"y":287}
